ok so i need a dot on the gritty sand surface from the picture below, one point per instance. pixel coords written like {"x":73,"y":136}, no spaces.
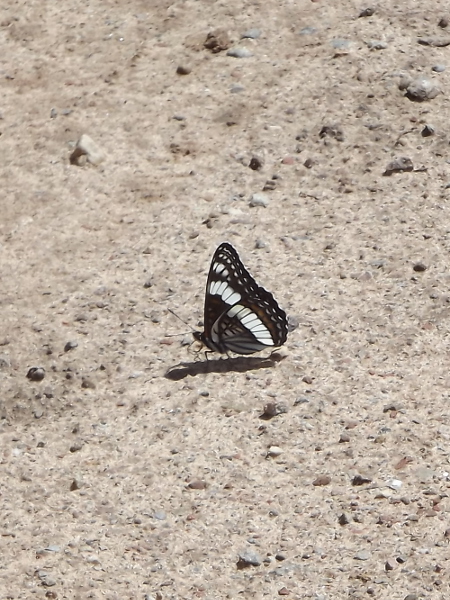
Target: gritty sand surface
{"x":135,"y":470}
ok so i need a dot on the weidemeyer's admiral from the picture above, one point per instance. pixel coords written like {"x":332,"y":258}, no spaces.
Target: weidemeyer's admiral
{"x":240,"y":316}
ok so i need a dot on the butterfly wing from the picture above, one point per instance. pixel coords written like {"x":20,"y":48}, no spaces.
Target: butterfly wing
{"x":240,"y":316}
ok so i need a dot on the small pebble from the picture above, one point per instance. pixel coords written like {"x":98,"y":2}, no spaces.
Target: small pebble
{"x":269,"y":185}
{"x":341,"y":45}
{"x":53,"y":113}
{"x":377,"y":45}
{"x":76,"y":447}
{"x":443,"y":22}
{"x":70,"y":345}
{"x":308,"y":31}
{"x":197,"y":484}
{"x":321,"y":480}
{"x":75,"y":485}
{"x":272,"y":409}
{"x":259,"y":199}
{"x":399,"y":165}
{"x":419,"y":267}
{"x":360,"y":480}
{"x":252,"y":34}
{"x":362,"y":555}
{"x":389,"y":565}
{"x":217,"y":41}
{"x":87,"y":383}
{"x":248,"y":559}
{"x":343,"y":519}
{"x":427,"y":131}
{"x":237,"y":89}
{"x":367,"y":12}
{"x":239,"y":53}
{"x":86,"y":150}
{"x":395,"y":484}
{"x":274,"y":451}
{"x":256,"y":163}
{"x":438,"y":68}
{"x":422,"y":89}
{"x":160,"y":515}
{"x":36,"y":374}
{"x":183,"y":70}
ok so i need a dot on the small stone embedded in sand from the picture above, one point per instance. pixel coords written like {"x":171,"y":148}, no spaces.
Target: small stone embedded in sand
{"x":75,"y":485}
{"x":269,"y":185}
{"x":70,"y":345}
{"x":217,"y":41}
{"x":321,"y":480}
{"x":427,"y":131}
{"x":183,"y":70}
{"x":437,"y":42}
{"x":259,"y":199}
{"x":36,"y":374}
{"x":377,"y":45}
{"x":256,"y":163}
{"x":86,"y":150}
{"x":272,"y":409}
{"x":343,"y":519}
{"x":248,"y":559}
{"x":361,"y":480}
{"x":395,"y":484}
{"x":274,"y":451}
{"x":422,"y":89}
{"x":438,"y":68}
{"x":239,"y":53}
{"x":362,"y":555}
{"x":333,"y":131}
{"x":419,"y":267}
{"x":366,"y":12}
{"x":87,"y":383}
{"x":197,"y":484}
{"x":252,"y":34}
{"x":399,"y":165}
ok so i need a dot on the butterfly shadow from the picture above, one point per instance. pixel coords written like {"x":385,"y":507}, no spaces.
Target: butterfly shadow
{"x":240,"y":364}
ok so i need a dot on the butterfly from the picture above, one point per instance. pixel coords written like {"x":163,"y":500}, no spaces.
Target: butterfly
{"x":240,"y":316}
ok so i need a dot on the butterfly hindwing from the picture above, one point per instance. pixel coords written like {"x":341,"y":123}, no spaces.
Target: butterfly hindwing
{"x":240,"y":316}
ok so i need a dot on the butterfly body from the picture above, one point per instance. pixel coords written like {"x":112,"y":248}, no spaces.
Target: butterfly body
{"x":240,"y":316}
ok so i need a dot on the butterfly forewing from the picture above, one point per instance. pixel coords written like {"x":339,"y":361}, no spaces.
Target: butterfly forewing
{"x":240,"y":316}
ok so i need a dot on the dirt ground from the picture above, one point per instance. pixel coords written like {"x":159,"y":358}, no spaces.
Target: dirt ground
{"x":134,"y":470}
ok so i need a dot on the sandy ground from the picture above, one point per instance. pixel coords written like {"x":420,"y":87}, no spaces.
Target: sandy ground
{"x":133,"y":470}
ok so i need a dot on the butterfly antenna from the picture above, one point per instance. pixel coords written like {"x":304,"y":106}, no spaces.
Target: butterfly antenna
{"x":179,"y":318}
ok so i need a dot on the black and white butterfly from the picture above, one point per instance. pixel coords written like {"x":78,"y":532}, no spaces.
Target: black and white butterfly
{"x":240,"y":316}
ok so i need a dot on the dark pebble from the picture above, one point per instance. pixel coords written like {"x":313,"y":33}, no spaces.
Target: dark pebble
{"x":36,"y":374}
{"x":443,"y":22}
{"x":367,"y":12}
{"x":419,"y":267}
{"x":87,"y":383}
{"x":70,"y":345}
{"x":183,"y":70}
{"x":343,"y":519}
{"x":256,"y":163}
{"x":322,"y":480}
{"x":272,"y":409}
{"x":360,"y":480}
